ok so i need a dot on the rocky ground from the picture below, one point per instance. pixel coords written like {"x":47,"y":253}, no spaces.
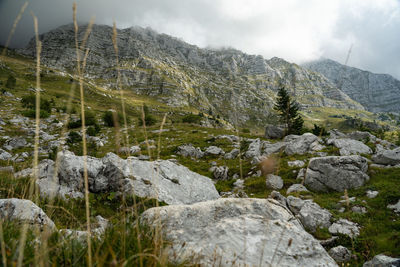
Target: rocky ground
{"x":188,"y":193}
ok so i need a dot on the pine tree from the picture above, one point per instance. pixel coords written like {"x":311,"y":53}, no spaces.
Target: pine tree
{"x":288,"y":112}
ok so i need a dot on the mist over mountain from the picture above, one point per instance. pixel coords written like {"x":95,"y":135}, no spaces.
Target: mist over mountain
{"x":228,"y":82}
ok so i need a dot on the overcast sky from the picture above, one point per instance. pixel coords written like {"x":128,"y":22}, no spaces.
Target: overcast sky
{"x":296,"y":30}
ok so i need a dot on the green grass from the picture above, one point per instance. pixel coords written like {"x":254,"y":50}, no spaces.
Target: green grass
{"x":380,"y":231}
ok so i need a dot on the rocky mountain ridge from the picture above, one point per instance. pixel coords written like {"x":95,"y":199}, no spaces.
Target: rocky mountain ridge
{"x":225,"y":82}
{"x":376,"y":92}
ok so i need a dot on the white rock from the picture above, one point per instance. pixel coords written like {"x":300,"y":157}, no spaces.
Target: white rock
{"x":306,"y":143}
{"x":351,"y":147}
{"x":236,"y":232}
{"x":313,"y":216}
{"x":345,"y":227}
{"x":214,"y":150}
{"x":372,"y":194}
{"x":190,"y":151}
{"x":274,"y":182}
{"x":336,"y":173}
{"x":4,"y":155}
{"x":387,"y":157}
{"x":382,"y":260}
{"x":296,"y":188}
{"x":25,"y":211}
{"x":395,"y":207}
{"x":340,"y":254}
{"x":296,"y":163}
{"x":165,"y":180}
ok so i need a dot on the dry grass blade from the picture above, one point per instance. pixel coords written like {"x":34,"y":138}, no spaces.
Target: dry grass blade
{"x":36,"y":146}
{"x":85,"y":171}
{"x":3,"y":245}
{"x":17,"y":19}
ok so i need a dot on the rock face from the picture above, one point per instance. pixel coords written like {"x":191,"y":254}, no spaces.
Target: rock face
{"x":274,"y":132}
{"x":349,"y":147}
{"x":336,"y":173}
{"x":23,"y":210}
{"x":237,"y":232}
{"x":302,"y":144}
{"x":387,"y":157}
{"x":202,"y":78}
{"x":376,"y":92}
{"x":165,"y":180}
{"x":382,"y":260}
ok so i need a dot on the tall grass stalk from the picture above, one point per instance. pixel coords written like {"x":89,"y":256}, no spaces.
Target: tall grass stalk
{"x":84,"y":145}
{"x":35,"y":176}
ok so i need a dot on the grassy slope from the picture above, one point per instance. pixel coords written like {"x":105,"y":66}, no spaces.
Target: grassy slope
{"x":380,"y":227}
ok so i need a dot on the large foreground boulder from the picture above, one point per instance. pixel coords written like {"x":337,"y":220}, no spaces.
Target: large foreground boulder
{"x":163,"y":179}
{"x":237,"y":232}
{"x":25,"y":211}
{"x":336,"y":173}
{"x":387,"y":157}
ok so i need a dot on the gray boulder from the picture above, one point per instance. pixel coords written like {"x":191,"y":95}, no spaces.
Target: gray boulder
{"x":4,"y":155}
{"x":351,"y":147}
{"x":274,"y":132}
{"x":340,"y":254}
{"x":190,"y":151}
{"x":254,"y":149}
{"x":269,"y":148}
{"x":382,"y":260}
{"x":296,"y":188}
{"x":15,"y":143}
{"x":236,"y":232}
{"x":361,"y":136}
{"x":214,"y":151}
{"x":372,"y":194}
{"x":274,"y":182}
{"x":134,"y":149}
{"x":387,"y":157}
{"x":233,"y":154}
{"x":313,"y":216}
{"x":25,"y":211}
{"x":336,"y":173}
{"x":163,"y":179}
{"x":220,"y":173}
{"x":302,"y":144}
{"x":97,"y":231}
{"x":345,"y":227}
{"x":395,"y":207}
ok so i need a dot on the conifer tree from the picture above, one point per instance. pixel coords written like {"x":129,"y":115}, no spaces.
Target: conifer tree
{"x":288,"y":112}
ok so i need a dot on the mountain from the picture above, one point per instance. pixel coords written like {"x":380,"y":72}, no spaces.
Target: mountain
{"x":376,"y":92}
{"x":225,"y":82}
